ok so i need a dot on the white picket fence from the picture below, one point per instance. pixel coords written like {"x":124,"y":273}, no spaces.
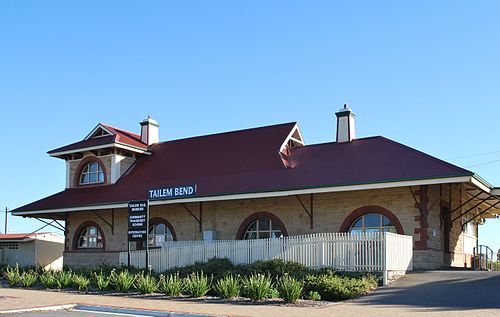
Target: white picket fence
{"x":367,"y":252}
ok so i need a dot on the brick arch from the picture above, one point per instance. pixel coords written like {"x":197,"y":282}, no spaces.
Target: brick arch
{"x":259,"y":215}
{"x":81,"y":166}
{"x":79,"y":231}
{"x":349,"y":220}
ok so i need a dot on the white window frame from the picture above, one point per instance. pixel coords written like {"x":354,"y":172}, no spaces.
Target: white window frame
{"x":258,"y":231}
{"x":85,"y":233}
{"x":380,"y":227}
{"x":87,"y":172}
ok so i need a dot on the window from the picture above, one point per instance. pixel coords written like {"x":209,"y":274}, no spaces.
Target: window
{"x":92,"y":174}
{"x":159,"y":234}
{"x":468,"y":227}
{"x":90,"y":238}
{"x":263,"y":228}
{"x":9,"y":245}
{"x":372,"y":222}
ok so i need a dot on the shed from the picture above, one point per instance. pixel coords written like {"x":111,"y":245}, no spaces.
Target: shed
{"x":32,"y":249}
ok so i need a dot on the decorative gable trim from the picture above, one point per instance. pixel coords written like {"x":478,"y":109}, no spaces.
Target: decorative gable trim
{"x":96,"y":129}
{"x":295,"y":138}
{"x":295,"y":135}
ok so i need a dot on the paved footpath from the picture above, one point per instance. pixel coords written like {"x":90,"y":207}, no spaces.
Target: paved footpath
{"x":417,"y":294}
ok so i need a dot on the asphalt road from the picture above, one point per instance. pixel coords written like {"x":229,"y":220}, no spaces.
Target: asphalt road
{"x":440,"y":290}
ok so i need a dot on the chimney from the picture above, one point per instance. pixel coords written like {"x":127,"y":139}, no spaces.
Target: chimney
{"x":345,"y":125}
{"x":149,"y":131}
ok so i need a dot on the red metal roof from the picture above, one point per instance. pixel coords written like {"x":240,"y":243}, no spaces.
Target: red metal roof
{"x":17,"y":236}
{"x":119,"y":135}
{"x":126,"y":137}
{"x":248,"y":161}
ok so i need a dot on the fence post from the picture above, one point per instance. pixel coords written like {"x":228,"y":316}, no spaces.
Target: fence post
{"x":384,"y":262}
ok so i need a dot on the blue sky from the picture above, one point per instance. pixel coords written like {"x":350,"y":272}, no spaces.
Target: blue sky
{"x":423,"y":73}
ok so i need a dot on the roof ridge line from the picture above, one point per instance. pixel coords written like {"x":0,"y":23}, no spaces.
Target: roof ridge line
{"x":229,"y":132}
{"x":120,"y":129}
{"x":333,"y":142}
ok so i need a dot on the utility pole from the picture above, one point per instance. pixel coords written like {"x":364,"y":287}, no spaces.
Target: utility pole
{"x":6,"y":220}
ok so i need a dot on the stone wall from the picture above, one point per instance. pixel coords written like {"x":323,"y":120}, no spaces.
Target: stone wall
{"x":330,"y":211}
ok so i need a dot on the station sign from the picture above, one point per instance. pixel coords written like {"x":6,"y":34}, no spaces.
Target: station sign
{"x":138,"y":219}
{"x":172,"y":192}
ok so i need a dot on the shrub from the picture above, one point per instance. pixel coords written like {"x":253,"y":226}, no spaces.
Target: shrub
{"x":334,"y":287}
{"x":48,"y":279}
{"x":289,"y":289}
{"x":122,"y":281}
{"x":228,"y":287}
{"x":12,"y":275}
{"x":170,"y":285}
{"x":81,"y":282}
{"x":28,"y":278}
{"x":276,"y":268}
{"x":197,"y":284}
{"x":217,"y":268}
{"x":101,"y":280}
{"x":63,"y":278}
{"x":258,"y":287}
{"x":313,"y":295}
{"x":146,"y":284}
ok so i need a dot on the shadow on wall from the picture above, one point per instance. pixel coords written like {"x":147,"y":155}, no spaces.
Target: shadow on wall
{"x":50,"y":255}
{"x":441,"y":290}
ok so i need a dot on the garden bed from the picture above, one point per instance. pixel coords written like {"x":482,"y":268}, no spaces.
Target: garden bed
{"x":272,"y":282}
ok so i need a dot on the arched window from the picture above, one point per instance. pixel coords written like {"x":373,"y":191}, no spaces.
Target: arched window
{"x":92,"y":173}
{"x":261,"y":226}
{"x":371,"y":218}
{"x":90,"y":237}
{"x":372,"y":222}
{"x":160,"y":233}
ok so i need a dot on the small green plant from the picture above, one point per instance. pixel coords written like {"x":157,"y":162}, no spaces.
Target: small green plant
{"x":48,"y":279}
{"x":101,"y":280}
{"x":81,"y":282}
{"x":228,"y":287}
{"x":274,"y":293}
{"x":146,"y":284}
{"x":197,"y":284}
{"x":12,"y":275}
{"x":258,"y":287}
{"x":28,"y":278}
{"x":313,"y":295}
{"x":289,"y":289}
{"x":122,"y":281}
{"x":170,"y":285}
{"x":63,"y":279}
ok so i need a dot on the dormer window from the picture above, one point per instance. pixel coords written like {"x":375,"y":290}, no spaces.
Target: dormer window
{"x":92,"y":173}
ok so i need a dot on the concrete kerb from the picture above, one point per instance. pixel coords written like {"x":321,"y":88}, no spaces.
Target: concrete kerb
{"x":108,"y":309}
{"x":139,"y":312}
{"x":35,"y":309}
